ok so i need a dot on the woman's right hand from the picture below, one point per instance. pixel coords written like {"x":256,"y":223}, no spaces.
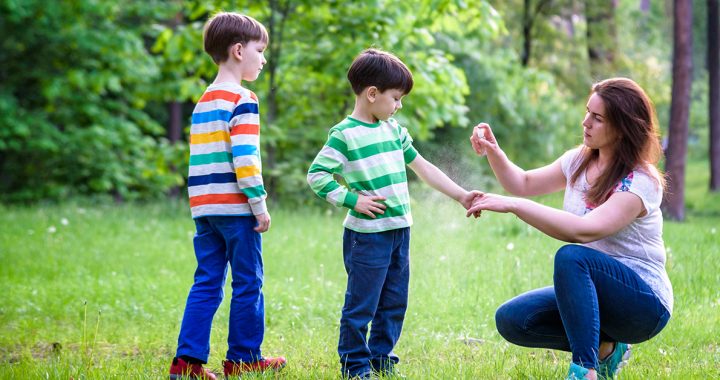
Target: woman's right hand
{"x":483,"y":139}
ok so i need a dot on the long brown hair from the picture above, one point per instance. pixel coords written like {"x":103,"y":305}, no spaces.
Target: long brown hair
{"x":631,"y":114}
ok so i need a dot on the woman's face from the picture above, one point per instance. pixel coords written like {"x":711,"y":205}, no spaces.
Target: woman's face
{"x":598,"y":133}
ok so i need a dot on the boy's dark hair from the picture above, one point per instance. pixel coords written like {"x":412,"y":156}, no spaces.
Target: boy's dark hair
{"x":228,"y":28}
{"x":381,"y":69}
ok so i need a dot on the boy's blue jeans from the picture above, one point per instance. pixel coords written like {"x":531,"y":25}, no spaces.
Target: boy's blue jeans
{"x":594,"y":298}
{"x":219,"y":241}
{"x":378,"y":269}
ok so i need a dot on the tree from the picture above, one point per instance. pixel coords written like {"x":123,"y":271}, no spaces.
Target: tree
{"x":713,"y":66}
{"x":601,"y":36}
{"x":674,"y":202}
{"x":530,"y":14}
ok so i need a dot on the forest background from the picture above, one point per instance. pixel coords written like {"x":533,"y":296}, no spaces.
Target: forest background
{"x":96,"y":95}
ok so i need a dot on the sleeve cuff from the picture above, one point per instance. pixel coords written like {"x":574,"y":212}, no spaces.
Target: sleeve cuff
{"x":351,"y":200}
{"x":259,"y":207}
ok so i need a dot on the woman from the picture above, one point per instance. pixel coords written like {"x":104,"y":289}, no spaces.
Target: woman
{"x":611,"y":287}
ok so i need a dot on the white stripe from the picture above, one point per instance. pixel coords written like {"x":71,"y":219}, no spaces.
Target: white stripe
{"x":243,"y":139}
{"x":221,"y":167}
{"x":377,"y":225}
{"x":221,"y":209}
{"x":213,"y":188}
{"x":395,"y":157}
{"x":217,"y":104}
{"x":210,"y":126}
{"x":337,"y":196}
{"x":246,"y":118}
{"x":211,"y":147}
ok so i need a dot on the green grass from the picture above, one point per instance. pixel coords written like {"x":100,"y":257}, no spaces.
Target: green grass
{"x":102,"y":296}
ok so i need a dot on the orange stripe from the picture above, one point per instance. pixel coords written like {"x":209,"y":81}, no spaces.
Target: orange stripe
{"x":220,"y":94}
{"x":253,"y":96}
{"x":245,"y":129}
{"x":229,"y":198}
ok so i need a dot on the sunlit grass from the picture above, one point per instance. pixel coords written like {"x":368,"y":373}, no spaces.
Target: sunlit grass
{"x":97,"y":291}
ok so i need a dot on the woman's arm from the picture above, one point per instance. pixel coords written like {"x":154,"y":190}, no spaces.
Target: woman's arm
{"x":544,"y":180}
{"x":609,"y":218}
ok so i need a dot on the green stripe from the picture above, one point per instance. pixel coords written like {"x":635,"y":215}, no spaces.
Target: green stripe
{"x":366,"y":174}
{"x":369,"y":139}
{"x":325,"y":164}
{"x":326,"y":189}
{"x":378,"y":182}
{"x":410,"y":154}
{"x":399,"y":210}
{"x":254,"y":192}
{"x":337,"y":144}
{"x":371,"y":150}
{"x":210,"y":158}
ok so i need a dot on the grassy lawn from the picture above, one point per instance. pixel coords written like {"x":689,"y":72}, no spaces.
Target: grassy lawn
{"x":97,"y":291}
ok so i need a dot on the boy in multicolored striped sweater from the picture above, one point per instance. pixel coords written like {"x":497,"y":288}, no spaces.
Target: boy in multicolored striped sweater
{"x":227,"y":200}
{"x":370,"y":150}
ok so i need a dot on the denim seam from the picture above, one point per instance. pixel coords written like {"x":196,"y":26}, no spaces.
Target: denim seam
{"x":529,"y":317}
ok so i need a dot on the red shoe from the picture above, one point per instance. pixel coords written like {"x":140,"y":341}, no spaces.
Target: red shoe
{"x":180,"y":369}
{"x":266,"y":364}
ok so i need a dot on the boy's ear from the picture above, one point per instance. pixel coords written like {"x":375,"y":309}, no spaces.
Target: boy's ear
{"x":235,"y":50}
{"x":371,"y":93}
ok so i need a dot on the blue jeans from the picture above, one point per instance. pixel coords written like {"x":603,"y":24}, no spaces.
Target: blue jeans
{"x":378,"y":269}
{"x":594,"y":298}
{"x":219,"y":241}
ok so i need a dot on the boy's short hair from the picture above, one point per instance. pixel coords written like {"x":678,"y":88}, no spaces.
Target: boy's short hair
{"x":381,"y":69}
{"x":227,"y":28}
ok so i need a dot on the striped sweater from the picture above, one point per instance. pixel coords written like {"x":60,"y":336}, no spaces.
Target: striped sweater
{"x":225,"y":169}
{"x":371,"y":158}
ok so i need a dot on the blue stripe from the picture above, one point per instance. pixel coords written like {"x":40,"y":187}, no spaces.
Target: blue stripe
{"x":245,"y":108}
{"x":212,"y":178}
{"x":244,"y":150}
{"x":214,"y":115}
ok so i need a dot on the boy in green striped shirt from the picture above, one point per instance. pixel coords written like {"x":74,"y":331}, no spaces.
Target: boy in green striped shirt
{"x":370,"y":151}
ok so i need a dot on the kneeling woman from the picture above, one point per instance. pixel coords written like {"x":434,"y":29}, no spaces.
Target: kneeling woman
{"x":611,"y":289}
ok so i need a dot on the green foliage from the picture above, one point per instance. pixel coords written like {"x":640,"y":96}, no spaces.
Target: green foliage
{"x":72,"y":102}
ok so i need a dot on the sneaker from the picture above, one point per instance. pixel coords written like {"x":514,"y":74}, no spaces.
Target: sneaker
{"x":576,"y":372}
{"x":180,"y":369}
{"x":267,"y":364}
{"x":609,"y":367}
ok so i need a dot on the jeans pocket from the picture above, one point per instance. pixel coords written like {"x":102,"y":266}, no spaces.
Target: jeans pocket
{"x":368,"y":249}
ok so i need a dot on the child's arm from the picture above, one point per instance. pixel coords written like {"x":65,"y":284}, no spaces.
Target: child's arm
{"x":331,"y":160}
{"x":434,"y":177}
{"x":245,"y":141}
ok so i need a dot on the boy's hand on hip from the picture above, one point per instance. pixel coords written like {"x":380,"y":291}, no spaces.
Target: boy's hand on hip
{"x":369,"y":206}
{"x":263,"y":221}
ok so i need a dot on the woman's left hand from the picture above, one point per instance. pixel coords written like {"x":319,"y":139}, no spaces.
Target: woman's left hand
{"x":492,"y":202}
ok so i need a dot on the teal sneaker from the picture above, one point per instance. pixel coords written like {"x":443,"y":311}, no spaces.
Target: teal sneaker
{"x":609,"y":367}
{"x":576,"y":372}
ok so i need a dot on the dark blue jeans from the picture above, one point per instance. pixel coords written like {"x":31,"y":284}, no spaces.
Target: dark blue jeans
{"x":595,"y":298}
{"x":219,"y":241}
{"x":378,"y":269}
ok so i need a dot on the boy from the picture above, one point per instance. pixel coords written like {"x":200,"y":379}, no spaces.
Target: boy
{"x":227,"y":200}
{"x":370,"y":151}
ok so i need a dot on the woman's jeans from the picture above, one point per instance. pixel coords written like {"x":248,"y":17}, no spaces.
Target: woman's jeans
{"x":595,"y":297}
{"x":378,"y":269}
{"x":219,"y":241}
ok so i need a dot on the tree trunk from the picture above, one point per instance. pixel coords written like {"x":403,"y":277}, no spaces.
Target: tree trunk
{"x":674,"y":202}
{"x":528,"y":21}
{"x":175,"y":121}
{"x":601,"y":37}
{"x":714,"y":98}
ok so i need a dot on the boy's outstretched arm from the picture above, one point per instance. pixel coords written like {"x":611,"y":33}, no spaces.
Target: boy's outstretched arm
{"x":439,"y":181}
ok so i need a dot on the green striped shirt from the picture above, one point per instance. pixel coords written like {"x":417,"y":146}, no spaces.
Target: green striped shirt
{"x":371,"y":158}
